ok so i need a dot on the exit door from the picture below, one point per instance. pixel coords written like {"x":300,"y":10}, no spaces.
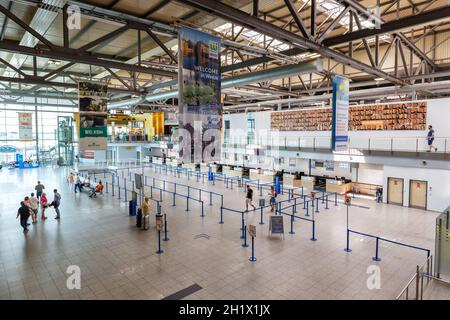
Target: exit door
{"x":395,"y":191}
{"x":418,"y":194}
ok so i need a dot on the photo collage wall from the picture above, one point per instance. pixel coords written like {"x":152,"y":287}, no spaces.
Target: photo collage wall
{"x":397,"y":116}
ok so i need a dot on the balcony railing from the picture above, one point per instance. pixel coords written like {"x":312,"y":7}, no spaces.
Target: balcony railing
{"x":397,"y":144}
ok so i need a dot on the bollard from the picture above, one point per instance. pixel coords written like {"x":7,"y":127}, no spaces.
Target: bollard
{"x":244,"y":245}
{"x":262,"y":216}
{"x":159,"y":243}
{"x":347,"y":249}
{"x":292,"y":224}
{"x":253,"y":258}
{"x":242,"y":226}
{"x":221,"y":215}
{"x":307,"y":209}
{"x":166,"y":238}
{"x":376,"y":258}
{"x":313,"y":238}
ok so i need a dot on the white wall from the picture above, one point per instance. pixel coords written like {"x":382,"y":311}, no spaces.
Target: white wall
{"x":370,"y":173}
{"x":438,"y":184}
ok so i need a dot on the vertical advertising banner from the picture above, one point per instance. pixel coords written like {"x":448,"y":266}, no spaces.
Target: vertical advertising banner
{"x":25,"y":126}
{"x":339,"y":134}
{"x":93,"y":116}
{"x":200,"y":108}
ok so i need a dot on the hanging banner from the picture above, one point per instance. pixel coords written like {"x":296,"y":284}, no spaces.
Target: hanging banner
{"x":93,"y":116}
{"x":200,"y":108}
{"x":339,"y":133}
{"x":25,"y":126}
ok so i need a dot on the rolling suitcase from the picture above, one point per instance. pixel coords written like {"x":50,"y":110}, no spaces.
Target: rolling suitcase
{"x":139,"y":218}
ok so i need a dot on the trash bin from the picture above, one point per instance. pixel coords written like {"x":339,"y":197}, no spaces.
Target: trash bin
{"x":139,"y":218}
{"x":132,"y":207}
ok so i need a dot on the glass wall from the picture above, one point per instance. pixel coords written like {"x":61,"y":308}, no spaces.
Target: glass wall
{"x":46,"y":111}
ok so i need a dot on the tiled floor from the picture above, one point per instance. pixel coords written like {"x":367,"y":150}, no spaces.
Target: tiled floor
{"x":118,"y":261}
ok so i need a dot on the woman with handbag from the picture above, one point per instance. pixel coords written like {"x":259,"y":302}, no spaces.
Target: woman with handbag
{"x":44,"y":205}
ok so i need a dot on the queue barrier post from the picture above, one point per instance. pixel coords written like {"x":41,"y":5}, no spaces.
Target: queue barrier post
{"x":326,"y":202}
{"x":377,"y":258}
{"x":210,"y":198}
{"x":317,"y":205}
{"x":307,"y":208}
{"x":187,"y":203}
{"x":221,"y":215}
{"x":253,"y":258}
{"x":160,"y":195}
{"x":262,"y":217}
{"x":166,"y":238}
{"x":242,"y":225}
{"x":203,"y":211}
{"x":244,"y":245}
{"x":313,"y":238}
{"x":335,"y":199}
{"x":159,"y":243}
{"x":174,"y":203}
{"x":292,"y":222}
{"x":347,"y":249}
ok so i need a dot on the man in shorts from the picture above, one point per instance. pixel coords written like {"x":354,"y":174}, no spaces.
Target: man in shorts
{"x":249,"y":198}
{"x":430,"y":138}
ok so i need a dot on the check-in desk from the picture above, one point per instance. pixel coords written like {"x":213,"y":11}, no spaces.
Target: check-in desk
{"x":267,"y":176}
{"x":190,"y":166}
{"x":238,"y":171}
{"x":308,"y":182}
{"x":254,"y":174}
{"x":290,"y":181}
{"x":338,"y":186}
{"x":173,"y":162}
{"x":157,"y":160}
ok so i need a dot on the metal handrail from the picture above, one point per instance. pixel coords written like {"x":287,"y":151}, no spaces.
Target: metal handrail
{"x":418,"y":278}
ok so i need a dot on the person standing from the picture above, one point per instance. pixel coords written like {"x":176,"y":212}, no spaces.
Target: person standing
{"x":23,"y":213}
{"x":145,"y":207}
{"x":249,"y":198}
{"x":34,"y":206}
{"x":56,"y":203}
{"x":39,"y":189}
{"x":273,"y":196}
{"x":44,"y":205}
{"x":430,"y":138}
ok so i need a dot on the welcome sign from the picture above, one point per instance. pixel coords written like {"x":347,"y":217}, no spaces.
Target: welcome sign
{"x":340,"y":104}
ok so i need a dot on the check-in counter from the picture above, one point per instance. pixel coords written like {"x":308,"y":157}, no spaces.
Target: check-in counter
{"x":338,"y":186}
{"x":173,"y":162}
{"x":308,"y":182}
{"x":290,"y":181}
{"x":238,"y":171}
{"x":254,"y":174}
{"x":267,"y":176}
{"x":228,"y":171}
{"x":191,"y":166}
{"x":157,"y":160}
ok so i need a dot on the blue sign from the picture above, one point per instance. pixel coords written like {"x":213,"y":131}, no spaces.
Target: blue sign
{"x":340,"y":103}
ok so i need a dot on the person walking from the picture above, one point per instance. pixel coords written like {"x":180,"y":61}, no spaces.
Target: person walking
{"x":34,"y":206}
{"x":39,"y":189}
{"x":430,"y":138}
{"x":56,"y":203}
{"x":78,"y":184}
{"x":44,"y":205}
{"x":23,"y":213}
{"x":249,"y":198}
{"x":70,"y":178}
